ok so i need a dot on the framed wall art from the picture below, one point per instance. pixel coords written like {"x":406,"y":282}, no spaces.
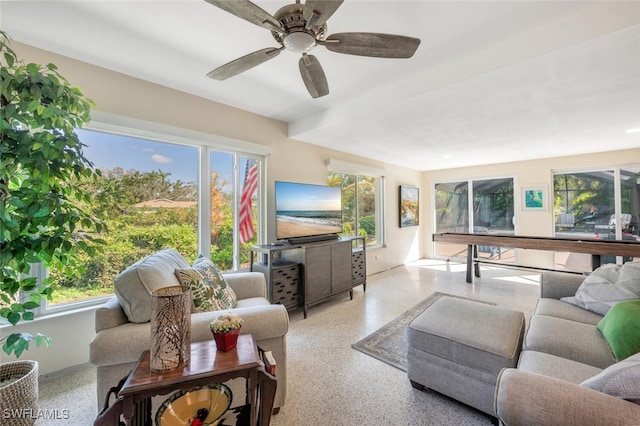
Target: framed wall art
{"x":409,"y":206}
{"x":534,"y":198}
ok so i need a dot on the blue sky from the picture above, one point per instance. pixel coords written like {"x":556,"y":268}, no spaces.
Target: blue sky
{"x":108,"y":151}
{"x":292,"y":196}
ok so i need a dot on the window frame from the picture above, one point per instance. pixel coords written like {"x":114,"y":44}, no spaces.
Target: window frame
{"x":469,"y":181}
{"x":357,"y":171}
{"x":616,"y":171}
{"x":205,"y":143}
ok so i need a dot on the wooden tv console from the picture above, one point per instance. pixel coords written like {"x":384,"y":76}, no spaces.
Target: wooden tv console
{"x":309,"y":273}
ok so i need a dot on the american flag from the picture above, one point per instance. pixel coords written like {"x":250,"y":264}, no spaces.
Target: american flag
{"x":250,"y":187}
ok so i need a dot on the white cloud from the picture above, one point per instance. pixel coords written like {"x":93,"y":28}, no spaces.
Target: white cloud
{"x":161,"y":159}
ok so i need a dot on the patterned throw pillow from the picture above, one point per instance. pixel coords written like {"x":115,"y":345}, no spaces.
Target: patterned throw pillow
{"x":209,"y":289}
{"x":621,"y":380}
{"x":606,"y":286}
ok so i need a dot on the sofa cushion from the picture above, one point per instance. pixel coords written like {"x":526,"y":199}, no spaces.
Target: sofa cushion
{"x":555,"y":366}
{"x":621,"y":380}
{"x":621,"y":328}
{"x":445,"y":333}
{"x":568,"y":339}
{"x":134,"y":285}
{"x":606,"y":286}
{"x":559,"y":309}
{"x":210,"y":290}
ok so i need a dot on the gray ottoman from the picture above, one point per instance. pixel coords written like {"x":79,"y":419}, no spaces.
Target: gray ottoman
{"x":458,"y":347}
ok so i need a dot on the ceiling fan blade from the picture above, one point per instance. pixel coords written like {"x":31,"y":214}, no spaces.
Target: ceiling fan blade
{"x":244,"y":63}
{"x":249,"y":12}
{"x":313,"y":76}
{"x":316,"y":12}
{"x":372,"y":44}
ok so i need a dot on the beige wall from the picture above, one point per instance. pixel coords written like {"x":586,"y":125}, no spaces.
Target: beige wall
{"x":70,"y":334}
{"x":525,"y":173}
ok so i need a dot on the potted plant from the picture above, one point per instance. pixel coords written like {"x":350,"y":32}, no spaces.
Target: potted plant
{"x":18,"y":392}
{"x":226,"y":329}
{"x":44,"y":216}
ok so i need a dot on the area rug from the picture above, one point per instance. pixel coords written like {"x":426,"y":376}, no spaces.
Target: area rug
{"x":389,"y":343}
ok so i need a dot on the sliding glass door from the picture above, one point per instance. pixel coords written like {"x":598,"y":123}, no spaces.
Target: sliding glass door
{"x":451,"y":215}
{"x":493,"y":210}
{"x":598,"y":204}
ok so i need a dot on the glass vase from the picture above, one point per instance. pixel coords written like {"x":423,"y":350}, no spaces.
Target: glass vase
{"x":170,"y":327}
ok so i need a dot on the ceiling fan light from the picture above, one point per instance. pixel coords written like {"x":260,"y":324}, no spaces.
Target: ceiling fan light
{"x":299,"y":42}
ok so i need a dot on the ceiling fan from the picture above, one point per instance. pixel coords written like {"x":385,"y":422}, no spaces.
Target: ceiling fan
{"x":299,"y":28}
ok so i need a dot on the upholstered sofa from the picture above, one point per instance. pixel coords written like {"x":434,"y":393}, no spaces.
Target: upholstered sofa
{"x":123,"y":327}
{"x":567,"y":373}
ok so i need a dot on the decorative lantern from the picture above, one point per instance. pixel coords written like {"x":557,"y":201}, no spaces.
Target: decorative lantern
{"x":170,"y":327}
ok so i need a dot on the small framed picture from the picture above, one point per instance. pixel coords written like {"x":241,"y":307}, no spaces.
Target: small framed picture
{"x":409,"y":206}
{"x":534,"y":198}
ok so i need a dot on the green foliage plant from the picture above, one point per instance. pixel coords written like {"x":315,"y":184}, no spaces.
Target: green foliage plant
{"x":43,"y":218}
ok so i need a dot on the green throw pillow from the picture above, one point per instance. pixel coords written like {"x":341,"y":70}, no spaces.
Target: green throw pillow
{"x":621,"y":328}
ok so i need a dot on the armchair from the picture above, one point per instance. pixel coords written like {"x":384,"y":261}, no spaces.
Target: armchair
{"x":119,"y":341}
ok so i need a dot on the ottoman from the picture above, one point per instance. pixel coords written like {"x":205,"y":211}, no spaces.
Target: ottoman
{"x":457,"y":347}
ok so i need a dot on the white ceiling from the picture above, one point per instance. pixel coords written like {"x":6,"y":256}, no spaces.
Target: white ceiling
{"x":491,"y":81}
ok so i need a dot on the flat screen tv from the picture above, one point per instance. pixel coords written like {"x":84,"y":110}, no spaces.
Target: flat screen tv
{"x":306,"y":210}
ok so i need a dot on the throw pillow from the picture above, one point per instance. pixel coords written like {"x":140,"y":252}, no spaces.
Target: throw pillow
{"x":201,"y":293}
{"x":621,"y":328}
{"x":209,"y":289}
{"x":134,"y":285}
{"x":621,"y":380}
{"x":606,"y":286}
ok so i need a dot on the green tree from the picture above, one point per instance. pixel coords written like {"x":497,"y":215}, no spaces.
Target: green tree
{"x":43,"y":215}
{"x":118,"y":189}
{"x":584,"y":194}
{"x":134,"y":232}
{"x":137,"y":232}
{"x":221,"y":223}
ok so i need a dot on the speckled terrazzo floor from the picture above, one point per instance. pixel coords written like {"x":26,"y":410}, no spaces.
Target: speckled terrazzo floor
{"x":330,"y":383}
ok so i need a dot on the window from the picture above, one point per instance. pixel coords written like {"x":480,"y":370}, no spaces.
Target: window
{"x":155,"y":194}
{"x":230,"y":244}
{"x":493,"y":210}
{"x":361,"y":205}
{"x":596,"y":204}
{"x":452,"y":207}
{"x":493,"y":206}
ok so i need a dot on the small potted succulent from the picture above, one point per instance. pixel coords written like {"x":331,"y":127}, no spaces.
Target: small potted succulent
{"x":226,"y":329}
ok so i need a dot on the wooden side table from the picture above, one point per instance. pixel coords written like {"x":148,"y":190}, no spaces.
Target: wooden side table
{"x":207,"y":365}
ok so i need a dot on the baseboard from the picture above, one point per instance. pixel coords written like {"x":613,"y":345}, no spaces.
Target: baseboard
{"x":64,"y":372}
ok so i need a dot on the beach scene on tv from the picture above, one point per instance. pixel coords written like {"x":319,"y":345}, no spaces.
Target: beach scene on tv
{"x":303,"y":210}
